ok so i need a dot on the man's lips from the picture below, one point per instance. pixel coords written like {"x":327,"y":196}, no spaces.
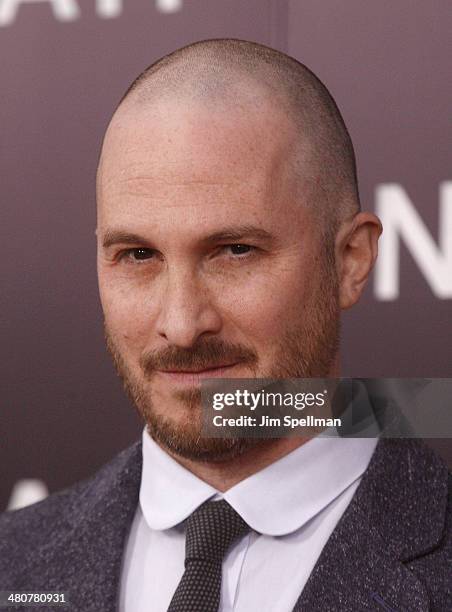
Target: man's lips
{"x":195,"y":376}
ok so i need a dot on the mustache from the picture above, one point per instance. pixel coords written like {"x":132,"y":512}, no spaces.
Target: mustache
{"x":201,"y":356}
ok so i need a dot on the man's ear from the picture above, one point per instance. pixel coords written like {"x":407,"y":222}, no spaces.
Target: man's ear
{"x":356,"y":252}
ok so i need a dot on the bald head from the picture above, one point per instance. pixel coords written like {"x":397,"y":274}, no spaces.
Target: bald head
{"x":225,"y":73}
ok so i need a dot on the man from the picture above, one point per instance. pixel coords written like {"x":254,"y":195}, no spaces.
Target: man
{"x":230,"y":237}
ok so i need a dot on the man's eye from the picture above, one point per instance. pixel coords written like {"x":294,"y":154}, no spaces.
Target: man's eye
{"x":239,"y":249}
{"x":137,"y":254}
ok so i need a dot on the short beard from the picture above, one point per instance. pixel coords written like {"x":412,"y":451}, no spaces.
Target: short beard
{"x":305,"y":352}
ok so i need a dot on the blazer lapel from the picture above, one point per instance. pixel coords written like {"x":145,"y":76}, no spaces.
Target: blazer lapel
{"x":87,"y":562}
{"x":390,"y":521}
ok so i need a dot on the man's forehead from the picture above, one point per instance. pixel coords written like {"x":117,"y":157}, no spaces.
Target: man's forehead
{"x":168,"y":144}
{"x":169,"y":120}
{"x":172,"y":177}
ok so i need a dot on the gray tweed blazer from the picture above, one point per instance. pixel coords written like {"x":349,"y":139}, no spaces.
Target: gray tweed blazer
{"x":391,"y":550}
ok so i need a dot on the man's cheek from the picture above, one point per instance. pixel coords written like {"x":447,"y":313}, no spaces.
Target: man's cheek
{"x":128,"y":324}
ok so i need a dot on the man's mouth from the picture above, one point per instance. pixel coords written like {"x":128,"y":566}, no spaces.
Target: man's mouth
{"x":194,"y":376}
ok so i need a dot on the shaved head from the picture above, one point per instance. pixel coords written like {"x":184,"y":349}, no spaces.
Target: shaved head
{"x":227,"y":73}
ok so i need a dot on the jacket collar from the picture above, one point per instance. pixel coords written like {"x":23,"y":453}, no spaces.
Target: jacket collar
{"x":390,"y":521}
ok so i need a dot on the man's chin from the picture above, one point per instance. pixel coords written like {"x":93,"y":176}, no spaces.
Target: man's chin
{"x":179,"y":430}
{"x":186,"y":442}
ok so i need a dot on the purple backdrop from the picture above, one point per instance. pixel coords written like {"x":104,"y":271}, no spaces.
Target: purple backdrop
{"x":65,"y":63}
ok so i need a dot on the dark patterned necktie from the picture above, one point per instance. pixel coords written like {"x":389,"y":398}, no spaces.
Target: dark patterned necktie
{"x":211,"y":531}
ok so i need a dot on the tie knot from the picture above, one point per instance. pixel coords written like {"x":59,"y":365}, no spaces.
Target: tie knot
{"x":211,"y":530}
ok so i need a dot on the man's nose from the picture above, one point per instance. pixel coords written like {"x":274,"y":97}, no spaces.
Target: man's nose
{"x":187,"y":310}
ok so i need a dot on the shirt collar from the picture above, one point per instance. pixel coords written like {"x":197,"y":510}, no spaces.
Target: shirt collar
{"x":275,"y":501}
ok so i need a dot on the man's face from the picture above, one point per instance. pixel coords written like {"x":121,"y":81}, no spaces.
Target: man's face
{"x":209,"y":263}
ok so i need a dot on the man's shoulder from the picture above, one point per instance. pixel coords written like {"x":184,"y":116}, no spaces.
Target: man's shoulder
{"x":413,"y":498}
{"x":434,"y":567}
{"x":393,"y":544}
{"x":42,"y":524}
{"x":430,"y":519}
{"x":66,"y":504}
{"x":407,"y":474}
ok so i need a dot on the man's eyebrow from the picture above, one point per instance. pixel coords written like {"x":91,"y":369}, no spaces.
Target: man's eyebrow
{"x":112,"y":237}
{"x":242,"y":232}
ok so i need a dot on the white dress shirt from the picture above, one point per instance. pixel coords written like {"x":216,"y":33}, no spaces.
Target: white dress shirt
{"x":292,"y":506}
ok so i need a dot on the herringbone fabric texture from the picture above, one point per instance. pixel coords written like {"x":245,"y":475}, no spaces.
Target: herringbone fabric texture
{"x":211,"y":530}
